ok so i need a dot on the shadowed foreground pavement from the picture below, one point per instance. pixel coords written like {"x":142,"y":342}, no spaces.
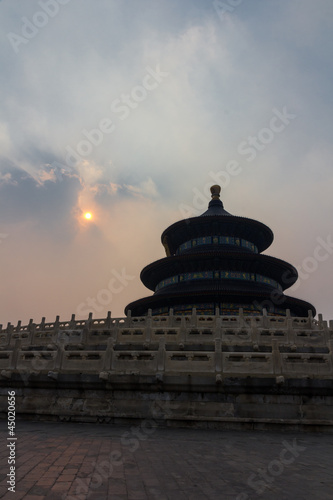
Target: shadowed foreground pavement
{"x":79,"y":461}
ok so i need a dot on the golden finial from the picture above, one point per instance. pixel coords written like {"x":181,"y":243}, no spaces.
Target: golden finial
{"x":215,"y":190}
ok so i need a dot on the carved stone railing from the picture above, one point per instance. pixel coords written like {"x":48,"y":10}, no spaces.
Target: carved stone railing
{"x":218,"y":346}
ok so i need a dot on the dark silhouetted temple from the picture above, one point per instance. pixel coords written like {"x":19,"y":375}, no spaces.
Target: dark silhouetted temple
{"x":214,"y":263}
{"x":218,"y":344}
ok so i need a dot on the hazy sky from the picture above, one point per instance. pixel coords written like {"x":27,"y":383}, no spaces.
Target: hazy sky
{"x":131,"y":110}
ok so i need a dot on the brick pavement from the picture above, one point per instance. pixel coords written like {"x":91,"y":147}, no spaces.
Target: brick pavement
{"x":89,"y":461}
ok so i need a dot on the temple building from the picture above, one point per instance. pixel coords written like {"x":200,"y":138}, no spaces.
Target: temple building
{"x":214,"y":264}
{"x":217,"y":345}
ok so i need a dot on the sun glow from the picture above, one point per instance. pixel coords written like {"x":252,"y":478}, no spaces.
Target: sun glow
{"x":88,"y":216}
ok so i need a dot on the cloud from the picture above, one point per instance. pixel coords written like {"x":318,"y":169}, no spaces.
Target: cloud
{"x":146,"y":188}
{"x":225,"y":76}
{"x":47,"y":204}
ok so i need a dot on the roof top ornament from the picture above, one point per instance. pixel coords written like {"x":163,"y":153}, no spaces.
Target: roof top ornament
{"x":215,"y":206}
{"x":215,"y":190}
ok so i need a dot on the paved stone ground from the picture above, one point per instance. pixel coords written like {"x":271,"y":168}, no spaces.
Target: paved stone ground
{"x":89,"y":461}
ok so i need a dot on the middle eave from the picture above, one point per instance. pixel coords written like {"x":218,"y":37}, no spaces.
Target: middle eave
{"x":279,"y":270}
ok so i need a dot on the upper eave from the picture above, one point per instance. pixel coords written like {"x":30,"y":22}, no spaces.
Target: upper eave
{"x":217,"y":225}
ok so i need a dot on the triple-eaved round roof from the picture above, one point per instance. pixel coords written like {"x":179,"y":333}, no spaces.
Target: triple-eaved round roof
{"x":215,"y":260}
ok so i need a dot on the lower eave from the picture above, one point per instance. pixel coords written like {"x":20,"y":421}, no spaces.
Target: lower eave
{"x":141,"y":306}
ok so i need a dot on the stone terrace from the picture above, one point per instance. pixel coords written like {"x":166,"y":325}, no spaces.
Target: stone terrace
{"x":223,"y":369}
{"x":217,"y":345}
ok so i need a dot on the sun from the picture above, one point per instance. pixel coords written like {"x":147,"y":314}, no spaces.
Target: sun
{"x":87,"y":216}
